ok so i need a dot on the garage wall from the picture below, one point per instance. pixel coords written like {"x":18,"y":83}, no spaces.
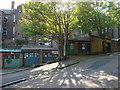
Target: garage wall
{"x":21,"y":59}
{"x":96,"y":45}
{"x":114,"y":46}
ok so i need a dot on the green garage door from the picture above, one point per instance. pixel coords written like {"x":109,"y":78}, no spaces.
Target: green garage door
{"x":31,"y":58}
{"x":71,"y":48}
{"x":11,"y":61}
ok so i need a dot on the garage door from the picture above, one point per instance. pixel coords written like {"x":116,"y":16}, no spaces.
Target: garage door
{"x":31,"y":58}
{"x":71,"y":48}
{"x":11,"y":61}
{"x":48,"y":57}
{"x":84,"y":48}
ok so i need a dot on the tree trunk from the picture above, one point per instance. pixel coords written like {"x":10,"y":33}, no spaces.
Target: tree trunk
{"x":65,"y":45}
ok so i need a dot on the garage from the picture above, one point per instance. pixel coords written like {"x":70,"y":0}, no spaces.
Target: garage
{"x":71,"y":48}
{"x":84,"y":48}
{"x":48,"y":57}
{"x":11,"y":60}
{"x":31,"y":58}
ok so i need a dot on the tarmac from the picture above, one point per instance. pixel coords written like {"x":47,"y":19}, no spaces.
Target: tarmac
{"x":95,"y":71}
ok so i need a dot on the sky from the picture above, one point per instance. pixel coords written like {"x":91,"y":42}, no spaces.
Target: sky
{"x":6,"y":4}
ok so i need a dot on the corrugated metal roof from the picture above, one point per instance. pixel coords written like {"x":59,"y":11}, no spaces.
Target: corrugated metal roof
{"x":8,"y":50}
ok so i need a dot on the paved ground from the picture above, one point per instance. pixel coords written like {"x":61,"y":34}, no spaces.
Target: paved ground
{"x":10,"y":70}
{"x":98,"y":71}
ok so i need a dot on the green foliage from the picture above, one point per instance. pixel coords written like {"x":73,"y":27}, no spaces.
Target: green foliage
{"x":52,"y":20}
{"x":86,"y":16}
{"x":95,"y":16}
{"x":20,"y":42}
{"x":56,"y":20}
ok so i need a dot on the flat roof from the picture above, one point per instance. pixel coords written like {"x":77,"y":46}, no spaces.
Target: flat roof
{"x":39,"y":49}
{"x":115,"y":39}
{"x":10,"y":50}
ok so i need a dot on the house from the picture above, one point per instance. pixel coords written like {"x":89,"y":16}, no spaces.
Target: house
{"x":7,"y":26}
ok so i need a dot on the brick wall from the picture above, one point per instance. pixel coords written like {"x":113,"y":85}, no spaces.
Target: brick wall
{"x":21,"y":59}
{"x":1,"y":61}
{"x":0,"y":29}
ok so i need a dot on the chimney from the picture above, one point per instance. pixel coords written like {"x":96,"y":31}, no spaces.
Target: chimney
{"x":13,"y":4}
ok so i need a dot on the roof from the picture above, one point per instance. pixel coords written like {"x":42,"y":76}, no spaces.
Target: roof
{"x":84,"y":39}
{"x":115,"y":39}
{"x":10,"y":50}
{"x":40,"y":47}
{"x":80,"y":40}
{"x":8,"y":11}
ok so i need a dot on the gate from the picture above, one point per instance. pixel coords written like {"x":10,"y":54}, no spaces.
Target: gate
{"x":31,"y":58}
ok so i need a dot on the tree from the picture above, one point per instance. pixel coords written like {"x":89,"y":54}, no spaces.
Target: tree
{"x":94,"y":17}
{"x":86,"y":17}
{"x":52,"y":20}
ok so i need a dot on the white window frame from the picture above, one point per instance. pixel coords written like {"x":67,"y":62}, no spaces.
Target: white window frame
{"x":6,"y":31}
{"x":0,"y":28}
{"x":13,"y":18}
{"x":20,"y":11}
{"x":0,"y":16}
{"x":13,"y":39}
{"x":13,"y":29}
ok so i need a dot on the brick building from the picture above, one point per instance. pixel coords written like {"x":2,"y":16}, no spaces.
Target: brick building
{"x":1,"y":29}
{"x":7,"y":26}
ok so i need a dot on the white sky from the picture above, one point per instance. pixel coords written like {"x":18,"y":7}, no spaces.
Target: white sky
{"x":6,"y":4}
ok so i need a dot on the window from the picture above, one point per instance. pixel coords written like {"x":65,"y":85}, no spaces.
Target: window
{"x":5,"y":56}
{"x":13,"y":38}
{"x":5,"y":19}
{"x":4,"y":31}
{"x":0,"y":16}
{"x":25,"y":55}
{"x":13,"y":30}
{"x":106,"y":30}
{"x":83,"y":46}
{"x":20,"y":11}
{"x":17,"y":57}
{"x":71,"y":46}
{"x":0,"y":29}
{"x":13,"y":18}
{"x":36,"y":55}
{"x":31,"y":54}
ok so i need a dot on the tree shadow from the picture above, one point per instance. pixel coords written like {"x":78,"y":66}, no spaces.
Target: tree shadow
{"x":70,"y":77}
{"x":75,"y":76}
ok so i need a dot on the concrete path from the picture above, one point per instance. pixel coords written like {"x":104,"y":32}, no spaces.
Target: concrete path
{"x":97,"y":71}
